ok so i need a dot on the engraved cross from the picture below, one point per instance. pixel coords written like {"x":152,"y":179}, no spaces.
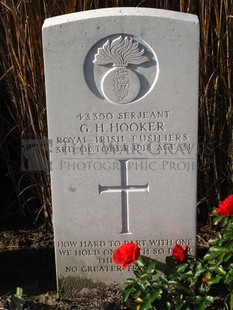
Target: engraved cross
{"x":124,"y":189}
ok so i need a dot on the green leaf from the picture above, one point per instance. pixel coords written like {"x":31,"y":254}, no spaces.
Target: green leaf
{"x":130,"y":281}
{"x":182,"y":267}
{"x":198,"y":266}
{"x":16,"y":302}
{"x":137,"y":294}
{"x":147,"y":303}
{"x":179,"y":306}
{"x":203,"y":289}
{"x":225,"y":220}
{"x":227,"y":257}
{"x":138,"y":273}
{"x":144,"y":277}
{"x":126,"y":292}
{"x":140,"y":262}
{"x":210,"y":299}
{"x":207,"y":256}
{"x":168,"y":304}
{"x":215,"y":252}
{"x":155,"y":284}
{"x":163,"y":279}
{"x":142,"y":287}
{"x":151,"y":267}
{"x":218,"y":249}
{"x":221,"y":271}
{"x":203,"y":302}
{"x":202,"y":306}
{"x":231,"y":301}
{"x":214,"y":280}
{"x":200,"y":271}
{"x":217,"y":218}
{"x":156,"y":295}
{"x":187,"y":274}
{"x":218,"y":235}
{"x":172,"y":282}
{"x":19,"y":292}
{"x":212,"y":268}
{"x":182,"y":288}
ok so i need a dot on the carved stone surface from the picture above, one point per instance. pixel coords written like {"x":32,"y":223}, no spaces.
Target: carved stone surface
{"x":120,"y":84}
{"x":123,"y":69}
{"x":122,"y":102}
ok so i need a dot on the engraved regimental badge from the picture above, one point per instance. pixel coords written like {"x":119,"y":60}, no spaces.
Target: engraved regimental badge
{"x":124,"y":69}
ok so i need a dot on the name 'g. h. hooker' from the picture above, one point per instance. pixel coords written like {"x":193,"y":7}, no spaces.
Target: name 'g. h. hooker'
{"x":123,"y":127}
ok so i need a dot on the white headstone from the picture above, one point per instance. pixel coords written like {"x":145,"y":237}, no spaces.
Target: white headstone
{"x":122,"y":104}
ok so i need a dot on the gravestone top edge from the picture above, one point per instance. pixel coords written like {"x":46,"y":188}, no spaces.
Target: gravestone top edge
{"x":120,"y":11}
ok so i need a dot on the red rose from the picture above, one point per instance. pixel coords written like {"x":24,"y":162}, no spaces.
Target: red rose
{"x":179,"y":254}
{"x":225,"y":207}
{"x":126,"y":254}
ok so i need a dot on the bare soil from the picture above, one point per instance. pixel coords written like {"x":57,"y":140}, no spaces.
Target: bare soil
{"x":27,"y":261}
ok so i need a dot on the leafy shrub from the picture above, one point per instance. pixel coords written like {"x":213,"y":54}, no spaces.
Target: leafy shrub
{"x":187,"y":282}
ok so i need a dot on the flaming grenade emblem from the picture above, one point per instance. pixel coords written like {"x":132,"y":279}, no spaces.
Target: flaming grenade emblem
{"x":120,"y":84}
